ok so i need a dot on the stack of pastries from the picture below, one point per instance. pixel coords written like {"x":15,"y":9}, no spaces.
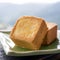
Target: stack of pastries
{"x":31,"y":32}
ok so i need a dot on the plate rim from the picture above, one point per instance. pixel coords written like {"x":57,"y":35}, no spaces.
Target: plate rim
{"x":6,"y":30}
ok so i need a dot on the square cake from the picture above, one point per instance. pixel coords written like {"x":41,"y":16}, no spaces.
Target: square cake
{"x":29,"y":32}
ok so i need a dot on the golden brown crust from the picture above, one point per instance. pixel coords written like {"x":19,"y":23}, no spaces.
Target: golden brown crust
{"x":11,"y":33}
{"x":29,"y":30}
{"x":24,"y":17}
{"x":40,"y":35}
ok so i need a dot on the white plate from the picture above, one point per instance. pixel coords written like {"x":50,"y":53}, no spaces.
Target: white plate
{"x":7,"y":29}
{"x":17,"y":51}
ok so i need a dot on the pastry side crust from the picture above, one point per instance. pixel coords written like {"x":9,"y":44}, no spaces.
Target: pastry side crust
{"x":51,"y":33}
